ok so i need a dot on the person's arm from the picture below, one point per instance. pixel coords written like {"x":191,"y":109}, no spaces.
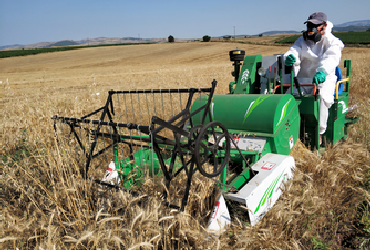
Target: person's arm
{"x":295,"y":50}
{"x":331,"y":58}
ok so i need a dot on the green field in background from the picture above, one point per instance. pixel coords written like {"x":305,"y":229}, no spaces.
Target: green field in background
{"x":361,"y":37}
{"x":34,"y":51}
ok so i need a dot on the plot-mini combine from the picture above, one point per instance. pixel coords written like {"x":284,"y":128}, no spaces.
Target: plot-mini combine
{"x":243,"y":137}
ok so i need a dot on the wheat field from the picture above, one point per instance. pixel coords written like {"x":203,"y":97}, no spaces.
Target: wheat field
{"x":47,"y":205}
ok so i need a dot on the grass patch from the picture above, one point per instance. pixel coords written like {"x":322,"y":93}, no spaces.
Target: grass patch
{"x":354,"y":37}
{"x":362,"y":37}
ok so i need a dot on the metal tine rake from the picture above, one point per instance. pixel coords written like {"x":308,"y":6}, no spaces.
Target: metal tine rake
{"x":143,"y":136}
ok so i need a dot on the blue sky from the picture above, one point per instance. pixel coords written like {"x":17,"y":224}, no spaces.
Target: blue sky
{"x":32,"y":21}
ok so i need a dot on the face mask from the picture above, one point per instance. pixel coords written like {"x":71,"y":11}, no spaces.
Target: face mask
{"x":311,"y":34}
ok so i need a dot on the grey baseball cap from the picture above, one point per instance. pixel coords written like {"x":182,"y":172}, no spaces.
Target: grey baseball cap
{"x":317,"y":18}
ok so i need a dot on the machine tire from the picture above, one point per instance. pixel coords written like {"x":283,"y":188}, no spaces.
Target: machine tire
{"x":206,"y":151}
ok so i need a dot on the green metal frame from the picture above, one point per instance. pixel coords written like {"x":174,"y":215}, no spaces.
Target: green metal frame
{"x":249,"y":80}
{"x":308,"y":116}
{"x":302,"y":118}
{"x":337,"y":126}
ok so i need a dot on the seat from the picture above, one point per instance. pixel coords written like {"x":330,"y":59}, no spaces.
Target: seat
{"x":338,"y":73}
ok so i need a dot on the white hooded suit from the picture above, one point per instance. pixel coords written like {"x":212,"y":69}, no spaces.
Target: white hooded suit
{"x":325,"y":56}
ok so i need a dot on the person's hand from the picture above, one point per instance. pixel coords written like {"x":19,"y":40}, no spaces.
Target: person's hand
{"x":290,"y":60}
{"x":319,"y":77}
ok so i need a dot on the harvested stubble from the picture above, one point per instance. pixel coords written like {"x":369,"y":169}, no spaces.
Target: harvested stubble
{"x":48,"y":205}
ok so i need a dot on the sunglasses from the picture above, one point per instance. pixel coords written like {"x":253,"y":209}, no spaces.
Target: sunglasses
{"x":312,"y":25}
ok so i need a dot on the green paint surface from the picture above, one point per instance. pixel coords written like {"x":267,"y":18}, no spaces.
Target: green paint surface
{"x":268,"y":193}
{"x":283,"y":112}
{"x":254,"y":104}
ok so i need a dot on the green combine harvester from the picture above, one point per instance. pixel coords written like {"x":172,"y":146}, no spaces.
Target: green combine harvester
{"x":242,"y":138}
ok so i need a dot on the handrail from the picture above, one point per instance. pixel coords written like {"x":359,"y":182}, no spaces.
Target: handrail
{"x":337,"y":86}
{"x":305,"y":85}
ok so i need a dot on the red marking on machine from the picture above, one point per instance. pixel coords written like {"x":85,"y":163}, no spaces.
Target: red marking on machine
{"x":236,"y":140}
{"x":215,"y":209}
{"x":291,"y":142}
{"x":268,"y":165}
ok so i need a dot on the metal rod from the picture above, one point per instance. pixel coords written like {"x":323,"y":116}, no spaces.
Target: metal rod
{"x":120,"y":116}
{"x":147,"y":107}
{"x":274,"y":78}
{"x":138,"y":100}
{"x":269,"y":82}
{"x":159,"y":91}
{"x":291,"y":80}
{"x":141,"y":155}
{"x":154,"y":105}
{"x":171,"y":104}
{"x":162,"y":107}
{"x":99,"y":122}
{"x":281,"y":74}
{"x":132,"y":109}
{"x":93,"y":113}
{"x":126,"y":108}
{"x":180,"y":100}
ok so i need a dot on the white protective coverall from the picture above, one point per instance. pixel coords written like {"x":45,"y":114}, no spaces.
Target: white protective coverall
{"x":325,"y":56}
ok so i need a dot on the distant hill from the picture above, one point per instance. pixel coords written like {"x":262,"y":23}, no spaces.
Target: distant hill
{"x":279,"y":32}
{"x":351,"y":28}
{"x":90,"y":41}
{"x":9,"y":46}
{"x":267,"y":33}
{"x":354,"y":23}
{"x":62,"y":43}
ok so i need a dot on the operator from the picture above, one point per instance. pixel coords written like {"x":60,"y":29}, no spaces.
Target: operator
{"x":314,"y":57}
